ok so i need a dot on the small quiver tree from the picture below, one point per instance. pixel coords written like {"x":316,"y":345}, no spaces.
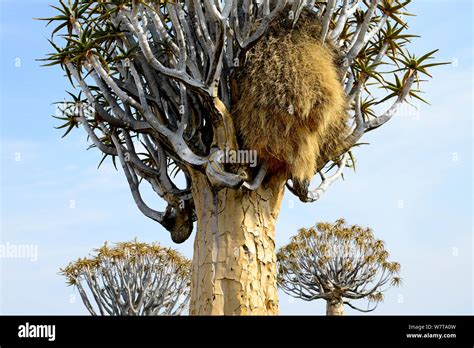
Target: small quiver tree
{"x":132,"y":278}
{"x":337,"y":263}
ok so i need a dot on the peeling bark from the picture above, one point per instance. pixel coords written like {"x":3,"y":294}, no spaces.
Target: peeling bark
{"x":334,"y":307}
{"x":234,"y":263}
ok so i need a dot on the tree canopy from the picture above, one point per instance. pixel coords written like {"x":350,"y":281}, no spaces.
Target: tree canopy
{"x":151,"y":84}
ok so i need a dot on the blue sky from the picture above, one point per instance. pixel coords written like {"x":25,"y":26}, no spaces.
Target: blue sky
{"x":413,"y":183}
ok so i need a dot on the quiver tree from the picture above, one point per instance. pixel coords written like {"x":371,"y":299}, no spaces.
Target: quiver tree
{"x":165,"y":88}
{"x":337,"y":263}
{"x":132,"y":278}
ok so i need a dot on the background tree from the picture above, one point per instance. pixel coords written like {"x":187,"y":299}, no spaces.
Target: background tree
{"x":156,"y":93}
{"x":337,"y":263}
{"x":132,"y":278}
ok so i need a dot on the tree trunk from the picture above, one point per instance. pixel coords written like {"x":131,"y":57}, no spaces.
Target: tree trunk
{"x":334,"y":307}
{"x":234,"y":262}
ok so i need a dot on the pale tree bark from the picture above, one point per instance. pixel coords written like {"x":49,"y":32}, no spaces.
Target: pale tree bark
{"x":334,"y":307}
{"x":234,"y":263}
